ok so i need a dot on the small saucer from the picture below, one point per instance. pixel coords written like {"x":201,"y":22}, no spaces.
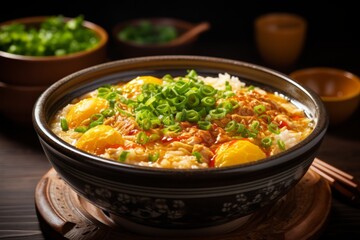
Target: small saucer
{"x":301,"y":214}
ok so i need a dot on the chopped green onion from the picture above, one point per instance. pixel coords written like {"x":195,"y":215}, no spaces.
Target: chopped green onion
{"x":198,"y":156}
{"x":64,"y":125}
{"x":228,"y":86}
{"x":145,"y":124}
{"x":228,"y":94}
{"x":153,"y":157}
{"x":217,"y":113}
{"x":251,"y":87}
{"x":274,"y":128}
{"x":266,"y":142}
{"x":192,"y":100}
{"x":267,"y":118}
{"x":96,"y":119}
{"x":208,"y":101}
{"x":248,"y":134}
{"x":182,"y":87}
{"x":207,"y":90}
{"x":192,"y":116}
{"x":204,"y":125}
{"x":234,"y":104}
{"x":226,"y":105}
{"x":231,"y":126}
{"x":123,"y":156}
{"x":180,"y":116}
{"x":168,"y":120}
{"x":255,"y":126}
{"x":108,"y":112}
{"x":172,"y":129}
{"x":178,"y":101}
{"x":240,"y":128}
{"x":81,"y":129}
{"x":192,"y":74}
{"x":154,"y":137}
{"x":142,"y":138}
{"x":167,"y":78}
{"x":259,"y":109}
{"x":150,"y":101}
{"x":281,"y":144}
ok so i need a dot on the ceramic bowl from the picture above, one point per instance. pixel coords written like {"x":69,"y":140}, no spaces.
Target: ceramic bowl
{"x":338,"y":89}
{"x":45,"y":70}
{"x":126,"y":49}
{"x":16,"y":102}
{"x":171,"y":201}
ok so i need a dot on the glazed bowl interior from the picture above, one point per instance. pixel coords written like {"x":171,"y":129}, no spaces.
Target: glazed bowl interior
{"x":58,"y":95}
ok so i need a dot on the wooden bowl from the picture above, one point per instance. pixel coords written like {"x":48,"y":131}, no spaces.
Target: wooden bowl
{"x":131,"y":49}
{"x":45,"y":70}
{"x":338,"y":89}
{"x":16,"y":102}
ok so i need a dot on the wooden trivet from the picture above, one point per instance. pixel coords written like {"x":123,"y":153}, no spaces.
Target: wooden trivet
{"x":301,"y":214}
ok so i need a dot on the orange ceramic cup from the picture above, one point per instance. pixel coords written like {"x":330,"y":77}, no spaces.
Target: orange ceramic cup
{"x":280,"y":38}
{"x":338,"y":89}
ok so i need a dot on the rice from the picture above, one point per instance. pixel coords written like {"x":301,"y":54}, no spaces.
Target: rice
{"x":220,"y":81}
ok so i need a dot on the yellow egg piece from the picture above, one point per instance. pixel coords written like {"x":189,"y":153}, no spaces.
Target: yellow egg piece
{"x":99,"y":138}
{"x":237,"y":152}
{"x":134,"y":86}
{"x":83,"y":110}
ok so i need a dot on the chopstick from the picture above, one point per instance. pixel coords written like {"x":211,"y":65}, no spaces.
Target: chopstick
{"x":344,"y":183}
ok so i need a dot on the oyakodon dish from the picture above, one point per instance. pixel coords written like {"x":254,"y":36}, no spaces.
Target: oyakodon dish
{"x":182,"y":122}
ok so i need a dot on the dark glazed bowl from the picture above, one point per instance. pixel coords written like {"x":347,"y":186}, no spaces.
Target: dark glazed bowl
{"x":172,"y":201}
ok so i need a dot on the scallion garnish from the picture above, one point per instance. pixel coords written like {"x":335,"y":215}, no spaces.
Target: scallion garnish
{"x":266,"y":142}
{"x":217,"y":113}
{"x":231,"y":126}
{"x":281,"y":144}
{"x":192,"y":116}
{"x":123,"y":156}
{"x":274,"y":128}
{"x":142,"y":138}
{"x":64,"y":124}
{"x":204,"y":125}
{"x":259,"y":109}
{"x":153,"y":157}
{"x":81,"y":129}
{"x":198,"y":156}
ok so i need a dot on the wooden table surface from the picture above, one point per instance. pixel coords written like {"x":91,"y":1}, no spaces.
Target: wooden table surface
{"x":23,"y":163}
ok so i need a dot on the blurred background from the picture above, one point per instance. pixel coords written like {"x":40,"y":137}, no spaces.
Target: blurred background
{"x":332,"y":35}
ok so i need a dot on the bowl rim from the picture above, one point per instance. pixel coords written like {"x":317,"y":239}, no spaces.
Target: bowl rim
{"x":351,"y":77}
{"x":120,"y":25}
{"x":100,"y":31}
{"x":44,"y":132}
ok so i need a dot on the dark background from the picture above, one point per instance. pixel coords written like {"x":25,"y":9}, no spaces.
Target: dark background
{"x":331,"y":40}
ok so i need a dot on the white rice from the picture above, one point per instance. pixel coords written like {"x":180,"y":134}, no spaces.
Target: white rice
{"x":220,"y":81}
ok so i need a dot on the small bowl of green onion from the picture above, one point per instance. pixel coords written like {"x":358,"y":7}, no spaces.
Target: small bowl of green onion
{"x":153,"y":36}
{"x":36,"y":52}
{"x":47,"y":48}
